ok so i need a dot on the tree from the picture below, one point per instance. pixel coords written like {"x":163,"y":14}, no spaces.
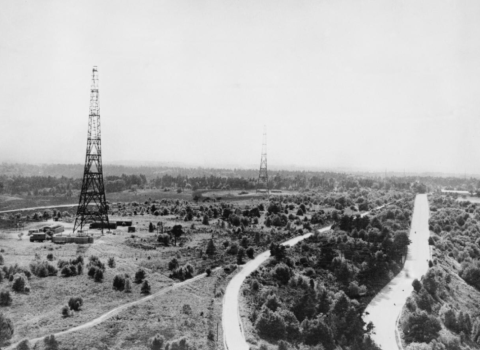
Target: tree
{"x":128,"y":285}
{"x":151,"y":228}
{"x":145,"y":287}
{"x":421,"y":327}
{"x":6,"y":329}
{"x":210,"y":248}
{"x":400,"y":242}
{"x":270,"y":324}
{"x":23,"y":345}
{"x":119,"y":282}
{"x":173,"y":264}
{"x":177,"y":231}
{"x":317,"y":331}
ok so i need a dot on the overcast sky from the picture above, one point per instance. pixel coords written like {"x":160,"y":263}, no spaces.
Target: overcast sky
{"x":358,"y":84}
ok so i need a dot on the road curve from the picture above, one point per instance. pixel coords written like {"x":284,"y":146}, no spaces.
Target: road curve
{"x":116,"y":310}
{"x":385,"y":308}
{"x":233,"y":337}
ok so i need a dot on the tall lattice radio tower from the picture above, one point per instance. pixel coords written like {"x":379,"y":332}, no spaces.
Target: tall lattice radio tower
{"x":263,"y":174}
{"x":92,"y":205}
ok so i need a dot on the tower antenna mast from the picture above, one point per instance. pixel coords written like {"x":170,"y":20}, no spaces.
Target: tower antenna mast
{"x":263,"y":174}
{"x":92,"y":204}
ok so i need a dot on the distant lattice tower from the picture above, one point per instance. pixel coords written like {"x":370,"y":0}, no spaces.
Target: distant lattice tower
{"x":92,"y":205}
{"x":263,"y":174}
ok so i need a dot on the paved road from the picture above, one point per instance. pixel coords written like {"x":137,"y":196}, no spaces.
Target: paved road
{"x":231,"y":322}
{"x":233,"y":337}
{"x":38,"y":208}
{"x":116,"y":310}
{"x":385,"y":308}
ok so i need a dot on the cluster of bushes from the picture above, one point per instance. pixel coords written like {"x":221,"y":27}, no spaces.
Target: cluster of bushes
{"x":122,"y":282}
{"x":72,"y":267}
{"x":43,"y":269}
{"x":74,"y":304}
{"x":96,"y":268}
{"x":183,"y":273}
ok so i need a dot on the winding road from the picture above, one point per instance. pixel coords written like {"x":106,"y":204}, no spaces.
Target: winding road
{"x":385,"y":308}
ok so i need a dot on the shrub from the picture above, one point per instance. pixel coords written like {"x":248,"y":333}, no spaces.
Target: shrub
{"x":156,"y":343}
{"x":272,"y":302}
{"x":50,"y":343}
{"x":173,"y":264}
{"x":140,"y":275}
{"x":179,"y":344}
{"x":128,"y":285}
{"x":255,"y":285}
{"x":250,"y":252}
{"x":317,"y":331}
{"x":69,"y":270}
{"x":282,"y":273}
{"x":283,"y":345}
{"x":240,"y":255}
{"x":111,"y":262}
{"x":98,"y":275}
{"x":6,"y":329}
{"x":75,"y":303}
{"x":417,"y":285}
{"x":187,"y":309}
{"x":119,"y":282}
{"x":270,"y":324}
{"x":50,"y":257}
{"x":145,"y":287}
{"x":183,"y":273}
{"x":23,"y":345}
{"x":91,"y":271}
{"x":19,"y":283}
{"x":66,"y":311}
{"x":233,"y":249}
{"x":210,"y":248}
{"x":5,"y":298}
{"x":208,"y":271}
{"x":421,"y":327}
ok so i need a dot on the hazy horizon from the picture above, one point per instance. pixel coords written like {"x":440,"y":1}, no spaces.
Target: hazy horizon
{"x":369,"y":85}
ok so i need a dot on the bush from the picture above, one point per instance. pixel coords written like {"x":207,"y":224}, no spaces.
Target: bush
{"x":98,"y":275}
{"x":111,"y":262}
{"x":179,"y":344}
{"x":417,"y":285}
{"x":140,"y":275}
{"x":19,"y":283}
{"x":282,"y":273}
{"x":50,"y":257}
{"x":173,"y":264}
{"x":283,"y":345}
{"x":128,"y":285}
{"x":145,"y":287}
{"x":317,"y":331}
{"x":5,"y":298}
{"x":210,"y":248}
{"x":66,"y":311}
{"x":50,"y":343}
{"x":91,"y":271}
{"x":250,"y":252}
{"x":240,"y":255}
{"x":183,"y":273}
{"x":75,"y":303}
{"x":421,"y":328}
{"x":6,"y":329}
{"x":270,"y":324}
{"x":23,"y":345}
{"x":233,"y":249}
{"x":156,"y":343}
{"x":119,"y":282}
{"x":2,"y":261}
{"x":208,"y":272}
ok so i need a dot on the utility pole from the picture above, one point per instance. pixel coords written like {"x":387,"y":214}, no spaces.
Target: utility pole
{"x":92,"y":204}
{"x":263,"y":174}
